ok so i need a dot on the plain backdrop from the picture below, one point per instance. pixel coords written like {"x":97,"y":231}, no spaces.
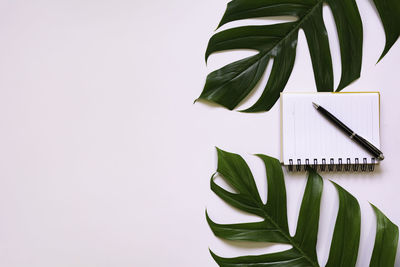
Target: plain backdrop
{"x":106,"y":161}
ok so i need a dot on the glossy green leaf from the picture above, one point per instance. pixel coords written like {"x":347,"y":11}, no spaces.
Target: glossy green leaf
{"x":389,"y":11}
{"x":273,"y":224}
{"x":386,"y":241}
{"x":307,"y":224}
{"x":231,"y":84}
{"x":346,"y":236}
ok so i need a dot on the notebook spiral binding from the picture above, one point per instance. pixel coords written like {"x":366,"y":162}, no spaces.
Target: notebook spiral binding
{"x":323,"y":166}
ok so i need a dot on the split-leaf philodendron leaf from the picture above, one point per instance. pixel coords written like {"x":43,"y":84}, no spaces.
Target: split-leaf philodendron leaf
{"x":274,"y":224}
{"x":229,"y":85}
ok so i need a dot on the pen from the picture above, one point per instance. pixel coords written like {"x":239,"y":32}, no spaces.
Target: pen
{"x":353,"y":136}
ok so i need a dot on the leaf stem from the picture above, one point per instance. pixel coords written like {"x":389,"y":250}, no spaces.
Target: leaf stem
{"x":297,"y":25}
{"x":290,"y":239}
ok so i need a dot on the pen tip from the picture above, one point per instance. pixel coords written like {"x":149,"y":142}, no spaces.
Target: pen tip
{"x":315,"y":105}
{"x":381,"y":157}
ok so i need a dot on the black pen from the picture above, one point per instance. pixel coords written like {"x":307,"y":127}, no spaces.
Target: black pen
{"x":353,"y":136}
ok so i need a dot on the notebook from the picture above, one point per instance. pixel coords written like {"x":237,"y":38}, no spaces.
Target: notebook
{"x":309,"y":139}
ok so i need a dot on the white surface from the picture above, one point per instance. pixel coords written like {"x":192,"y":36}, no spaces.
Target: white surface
{"x":105,"y":161}
{"x":307,"y":135}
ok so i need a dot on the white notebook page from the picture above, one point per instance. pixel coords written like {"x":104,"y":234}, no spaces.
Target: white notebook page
{"x":306,"y":134}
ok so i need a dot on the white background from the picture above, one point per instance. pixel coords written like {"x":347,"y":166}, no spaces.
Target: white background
{"x":104,"y":158}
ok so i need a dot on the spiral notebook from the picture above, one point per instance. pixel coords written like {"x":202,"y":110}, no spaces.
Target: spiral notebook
{"x":309,"y":139}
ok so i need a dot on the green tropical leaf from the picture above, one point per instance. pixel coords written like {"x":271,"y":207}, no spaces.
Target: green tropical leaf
{"x":346,"y":236}
{"x":386,"y":241}
{"x":229,"y":85}
{"x":389,"y":11}
{"x":274,"y":225}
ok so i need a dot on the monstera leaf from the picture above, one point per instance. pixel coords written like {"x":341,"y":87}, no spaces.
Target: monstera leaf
{"x":229,"y":85}
{"x":274,"y":225}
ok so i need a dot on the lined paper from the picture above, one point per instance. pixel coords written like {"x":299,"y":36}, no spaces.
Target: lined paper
{"x":307,"y":135}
